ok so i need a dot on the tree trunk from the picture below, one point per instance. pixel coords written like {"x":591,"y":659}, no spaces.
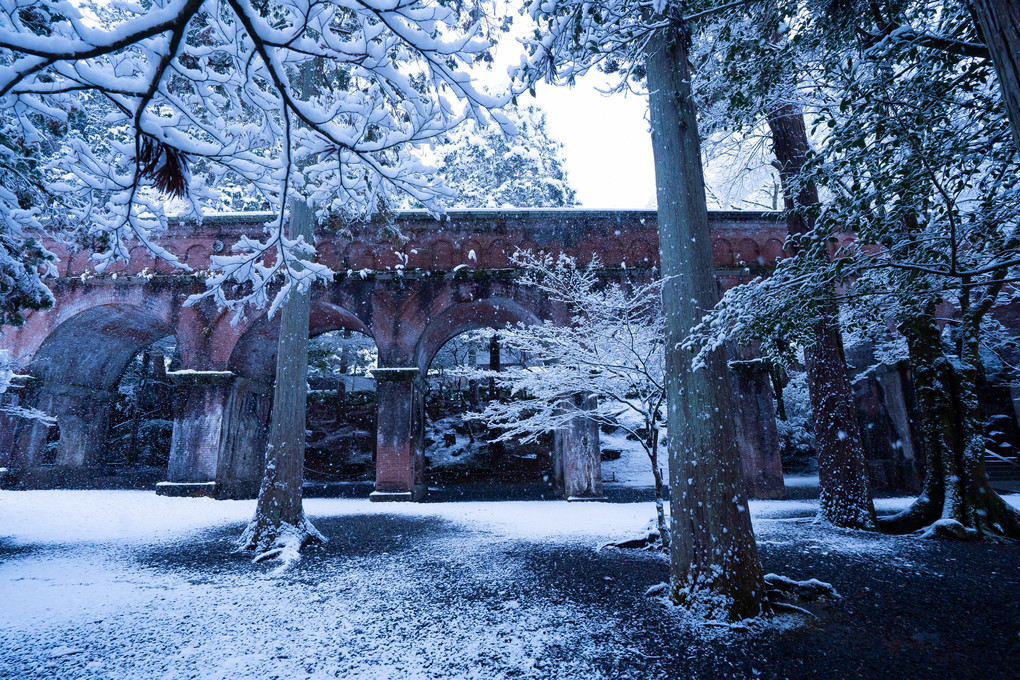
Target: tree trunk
{"x":957,"y":500}
{"x":496,"y":449}
{"x":999,"y":21}
{"x":984,"y":512}
{"x":279,"y":527}
{"x":474,"y":398}
{"x":715,"y":569}
{"x":932,"y":376}
{"x":842,"y":471}
{"x":845,"y":498}
{"x":341,"y":387}
{"x":652,"y":446}
{"x":494,"y":365}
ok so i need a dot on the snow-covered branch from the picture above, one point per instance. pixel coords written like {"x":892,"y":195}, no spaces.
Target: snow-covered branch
{"x":121,"y":113}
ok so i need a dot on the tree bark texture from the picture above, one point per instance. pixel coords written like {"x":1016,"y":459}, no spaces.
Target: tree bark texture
{"x":999,"y":21}
{"x":279,"y":509}
{"x":932,"y":376}
{"x":715,"y":569}
{"x":957,"y":501}
{"x":842,"y":471}
{"x":279,"y":522}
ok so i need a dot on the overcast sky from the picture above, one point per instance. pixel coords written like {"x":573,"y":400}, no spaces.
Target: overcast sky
{"x":606,"y":143}
{"x":608,"y":149}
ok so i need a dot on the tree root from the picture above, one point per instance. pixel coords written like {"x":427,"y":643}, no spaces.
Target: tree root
{"x":949,"y":529}
{"x":781,"y":590}
{"x":995,"y":519}
{"x":921,"y":513}
{"x":281,"y":542}
{"x":651,"y":542}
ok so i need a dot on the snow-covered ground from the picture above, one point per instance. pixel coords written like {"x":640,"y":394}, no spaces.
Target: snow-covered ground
{"x":126,"y":584}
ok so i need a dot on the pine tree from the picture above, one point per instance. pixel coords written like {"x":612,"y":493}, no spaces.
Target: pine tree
{"x":484,"y":168}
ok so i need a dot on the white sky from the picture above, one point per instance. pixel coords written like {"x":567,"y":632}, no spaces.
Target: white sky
{"x":607,"y":146}
{"x":606,"y":143}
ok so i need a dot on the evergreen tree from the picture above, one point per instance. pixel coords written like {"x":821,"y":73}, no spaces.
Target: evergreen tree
{"x":484,"y":168}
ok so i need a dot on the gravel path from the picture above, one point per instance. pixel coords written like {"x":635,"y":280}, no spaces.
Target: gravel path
{"x":405,"y":596}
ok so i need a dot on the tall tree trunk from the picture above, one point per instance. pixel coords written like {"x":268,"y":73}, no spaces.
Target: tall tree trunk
{"x":496,"y":449}
{"x":714,"y":564}
{"x":341,"y":387}
{"x":842,"y":471}
{"x":999,"y":21}
{"x":494,"y":365}
{"x":932,"y":376}
{"x":984,"y":512}
{"x":474,"y":398}
{"x":279,"y":527}
{"x":957,"y":500}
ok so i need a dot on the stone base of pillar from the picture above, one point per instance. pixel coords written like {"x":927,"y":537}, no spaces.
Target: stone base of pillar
{"x":187,"y":489}
{"x":578,"y":454}
{"x":585,"y":499}
{"x":413,"y":496}
{"x":237,"y":490}
{"x":90,"y":477}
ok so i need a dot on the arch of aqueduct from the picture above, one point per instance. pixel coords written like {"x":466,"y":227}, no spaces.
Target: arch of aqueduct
{"x":410,"y":296}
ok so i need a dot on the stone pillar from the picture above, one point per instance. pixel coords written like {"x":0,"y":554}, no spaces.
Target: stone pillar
{"x":757,"y":437}
{"x":400,"y":438}
{"x":12,"y":427}
{"x":884,"y":406}
{"x":577,"y":460}
{"x":203,"y":406}
{"x":242,"y":458}
{"x":83,"y":416}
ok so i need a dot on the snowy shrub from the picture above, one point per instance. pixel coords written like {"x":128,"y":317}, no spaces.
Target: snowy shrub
{"x":796,"y":439}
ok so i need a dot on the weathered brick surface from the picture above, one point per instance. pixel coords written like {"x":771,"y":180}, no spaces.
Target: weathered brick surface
{"x":411,"y":284}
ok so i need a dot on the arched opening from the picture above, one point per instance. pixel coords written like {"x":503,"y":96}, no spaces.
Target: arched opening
{"x":80,"y":379}
{"x":341,"y":408}
{"x":459,"y":446}
{"x":341,"y":403}
{"x":141,"y":419}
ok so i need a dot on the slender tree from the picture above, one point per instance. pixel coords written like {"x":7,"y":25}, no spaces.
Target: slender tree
{"x":1000,"y":30}
{"x":279,"y":528}
{"x":715,"y":568}
{"x":611,"y":352}
{"x":765,"y":93}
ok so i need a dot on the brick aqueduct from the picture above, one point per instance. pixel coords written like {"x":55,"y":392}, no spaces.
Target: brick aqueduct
{"x":410,"y":297}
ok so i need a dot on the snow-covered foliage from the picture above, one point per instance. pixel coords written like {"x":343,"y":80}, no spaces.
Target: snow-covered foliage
{"x":486,"y":169}
{"x":9,"y":407}
{"x":189,"y":95}
{"x":612,"y":350}
{"x":611,"y":354}
{"x":796,"y":439}
{"x":337,"y":354}
{"x":907,"y":208}
{"x":928,"y":188}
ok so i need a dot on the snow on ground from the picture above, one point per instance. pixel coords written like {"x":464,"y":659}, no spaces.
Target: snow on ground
{"x":126,"y":584}
{"x":801,"y":480}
